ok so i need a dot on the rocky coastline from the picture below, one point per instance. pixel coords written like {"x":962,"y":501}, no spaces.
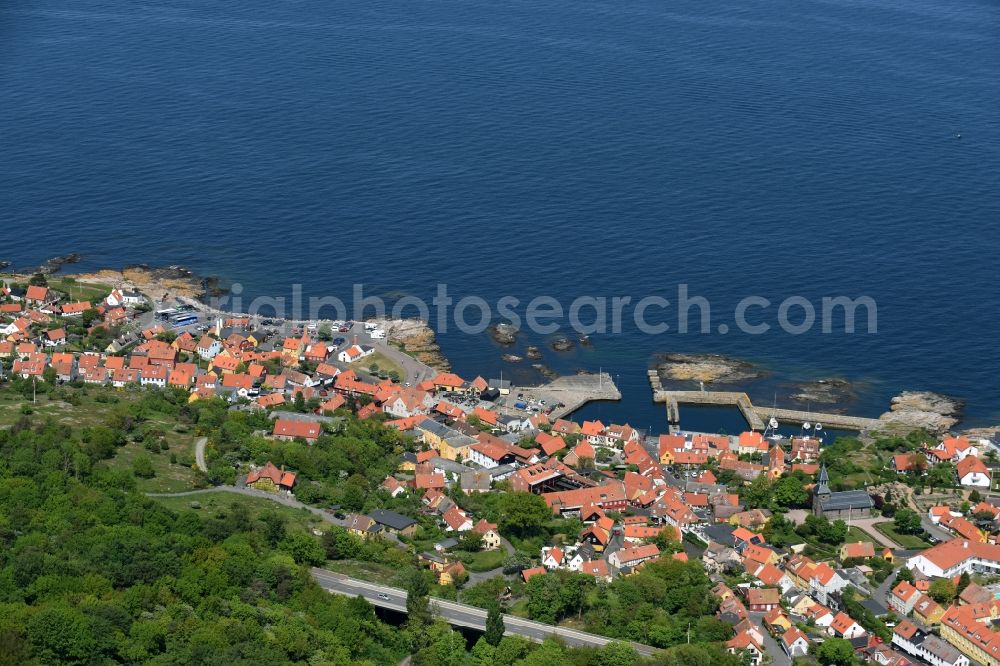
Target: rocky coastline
{"x":707,"y":368}
{"x":415,"y":337}
{"x":934,"y":412}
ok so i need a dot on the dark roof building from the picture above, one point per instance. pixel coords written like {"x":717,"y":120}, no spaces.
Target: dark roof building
{"x":391,"y":520}
{"x":846,"y":504}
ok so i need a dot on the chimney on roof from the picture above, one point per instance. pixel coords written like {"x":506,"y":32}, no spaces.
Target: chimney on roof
{"x":965,"y":544}
{"x":355,"y":338}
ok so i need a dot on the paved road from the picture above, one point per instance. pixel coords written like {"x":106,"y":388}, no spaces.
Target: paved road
{"x":199,"y":454}
{"x":868,"y":525}
{"x":881,"y":593}
{"x":460,"y":615}
{"x":774,"y":651}
{"x":939,"y":533}
{"x":480,"y":576}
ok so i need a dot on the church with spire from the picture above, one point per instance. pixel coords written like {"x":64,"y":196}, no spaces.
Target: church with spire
{"x":842,"y":505}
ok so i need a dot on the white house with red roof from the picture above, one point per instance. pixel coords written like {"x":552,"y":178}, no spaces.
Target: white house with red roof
{"x":355,"y":353}
{"x":955,"y":557}
{"x":632,"y":557}
{"x":456,"y":520}
{"x":844,"y":626}
{"x":794,"y":643}
{"x":973,"y":472}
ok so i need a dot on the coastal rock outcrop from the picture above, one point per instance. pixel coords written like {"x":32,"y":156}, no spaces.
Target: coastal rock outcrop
{"x":545,"y":371}
{"x":534,"y":353}
{"x":503,"y":333}
{"x":511,"y":358}
{"x":561,"y":344}
{"x":824,"y":391}
{"x":55,"y":263}
{"x":923,"y":409}
{"x":708,"y":368}
{"x":417,"y":339}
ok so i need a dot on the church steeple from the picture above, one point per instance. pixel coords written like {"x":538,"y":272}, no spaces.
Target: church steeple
{"x":822,"y":490}
{"x":823,"y":485}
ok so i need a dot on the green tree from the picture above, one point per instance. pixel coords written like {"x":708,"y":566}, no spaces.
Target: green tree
{"x":905,"y":574}
{"x":523,"y":514}
{"x":835,"y":652}
{"x":142,"y":467}
{"x":758,"y":493}
{"x":963,"y":582}
{"x":907,"y":521}
{"x":942,"y":590}
{"x":790,"y":492}
{"x":417,"y":604}
{"x":471,"y":541}
{"x":494,"y":624}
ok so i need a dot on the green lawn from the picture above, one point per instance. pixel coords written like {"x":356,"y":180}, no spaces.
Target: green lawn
{"x":298,"y":519}
{"x":384,"y":363}
{"x":484,"y":560}
{"x":857,"y":534}
{"x":80,"y":291}
{"x":170,"y":478}
{"x":905,"y":540}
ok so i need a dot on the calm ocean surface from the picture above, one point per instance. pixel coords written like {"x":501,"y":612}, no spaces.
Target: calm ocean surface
{"x":547,"y":147}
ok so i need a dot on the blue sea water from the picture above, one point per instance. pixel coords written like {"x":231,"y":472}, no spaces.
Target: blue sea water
{"x":548,"y":147}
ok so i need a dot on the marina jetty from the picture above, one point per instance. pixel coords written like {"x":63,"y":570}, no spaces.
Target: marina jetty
{"x":757,"y":417}
{"x":568,"y":393}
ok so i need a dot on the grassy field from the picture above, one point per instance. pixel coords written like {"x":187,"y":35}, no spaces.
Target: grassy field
{"x":89,"y":410}
{"x":857,"y":534}
{"x":298,"y":519}
{"x":170,"y":478}
{"x":905,"y":540}
{"x":79,"y":291}
{"x":94,"y":406}
{"x":384,"y":363}
{"x":484,"y":560}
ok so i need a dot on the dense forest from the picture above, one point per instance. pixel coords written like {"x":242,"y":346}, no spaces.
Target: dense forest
{"x":94,"y":571}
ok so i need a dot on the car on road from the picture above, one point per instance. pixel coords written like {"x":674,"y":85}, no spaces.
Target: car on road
{"x":339,"y":341}
{"x":343,"y":329}
{"x":383,"y":596}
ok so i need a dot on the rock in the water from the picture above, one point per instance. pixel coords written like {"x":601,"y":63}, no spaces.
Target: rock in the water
{"x":417,"y":339}
{"x":923,"y":409}
{"x":585,"y":341}
{"x":503,"y":333}
{"x":824,"y":391}
{"x":4,"y":264}
{"x":511,"y":358}
{"x":534,"y":353}
{"x":561,"y":344}
{"x":55,"y":263}
{"x":706,"y":368}
{"x":546,"y":371}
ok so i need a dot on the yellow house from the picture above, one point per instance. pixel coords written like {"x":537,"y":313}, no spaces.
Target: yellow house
{"x":777,"y":621}
{"x":927,"y":610}
{"x":972,"y":638}
{"x":448,"y":442}
{"x":450,"y":573}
